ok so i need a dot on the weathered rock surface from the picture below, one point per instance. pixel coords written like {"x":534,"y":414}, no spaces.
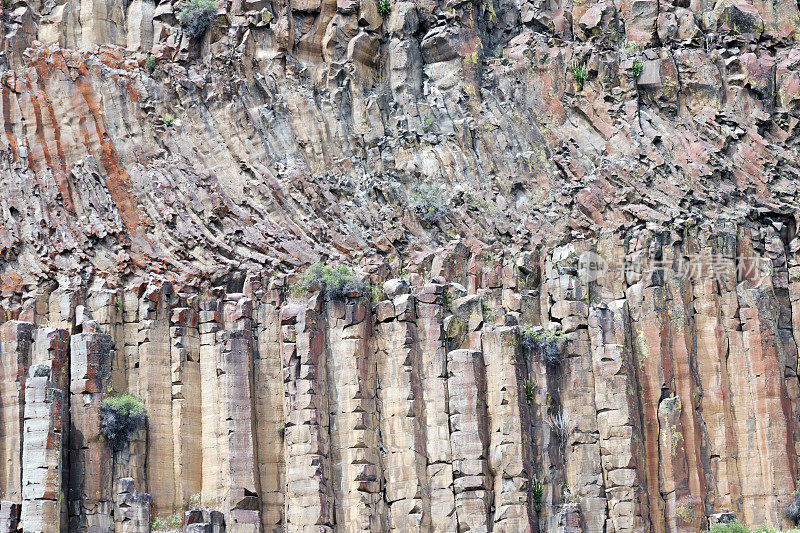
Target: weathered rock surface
{"x":579,"y":222}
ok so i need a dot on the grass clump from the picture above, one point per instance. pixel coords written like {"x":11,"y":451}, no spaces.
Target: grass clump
{"x":335,"y":283}
{"x":120,"y":416}
{"x":150,"y":63}
{"x":731,"y":527}
{"x":580,"y":72}
{"x":537,"y":491}
{"x":637,"y":68}
{"x":196,"y":16}
{"x":168,"y":119}
{"x":384,"y":8}
{"x":173,"y":522}
{"x":529,"y":392}
{"x":561,"y":425}
{"x":429,"y":205}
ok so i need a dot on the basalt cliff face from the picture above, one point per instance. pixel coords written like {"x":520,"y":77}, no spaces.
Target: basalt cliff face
{"x":578,"y":221}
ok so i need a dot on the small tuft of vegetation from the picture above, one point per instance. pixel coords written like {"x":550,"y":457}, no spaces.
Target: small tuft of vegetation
{"x":282,"y":429}
{"x":731,"y":527}
{"x":120,"y":416}
{"x":118,"y":304}
{"x":429,"y":205}
{"x":197,"y":16}
{"x":487,"y":257}
{"x":168,"y":119}
{"x":537,"y":491}
{"x":529,"y":392}
{"x":194,"y":501}
{"x":561,"y":425}
{"x":637,"y":68}
{"x":579,"y":72}
{"x":384,"y":8}
{"x":173,"y":522}
{"x":335,"y":283}
{"x":375,"y":292}
{"x":6,"y":4}
{"x":446,"y":298}
{"x":150,"y":63}
{"x":536,"y":339}
{"x":488,"y":313}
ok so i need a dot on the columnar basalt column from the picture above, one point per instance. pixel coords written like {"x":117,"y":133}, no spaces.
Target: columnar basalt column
{"x":210,"y":316}
{"x":42,"y":452}
{"x":235,"y":382}
{"x":309,"y":490}
{"x":617,"y":416}
{"x":268,"y":403}
{"x":131,"y":508}
{"x":401,"y":407}
{"x":90,"y":487}
{"x":351,"y":375}
{"x":186,"y":402}
{"x":769,"y":443}
{"x":46,"y":430}
{"x":712,"y":286}
{"x":433,"y":380}
{"x":15,"y":347}
{"x":469,"y":439}
{"x":509,"y":442}
{"x":9,"y":516}
{"x":155,"y":378}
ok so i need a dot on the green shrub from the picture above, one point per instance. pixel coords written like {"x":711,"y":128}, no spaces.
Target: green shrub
{"x":429,"y":205}
{"x":173,"y":522}
{"x":637,"y":68}
{"x":150,"y":63}
{"x":335,"y":283}
{"x":537,"y":491}
{"x":120,"y":416}
{"x":196,"y":17}
{"x":579,"y":72}
{"x":384,"y":8}
{"x":168,"y":119}
{"x":529,"y":392}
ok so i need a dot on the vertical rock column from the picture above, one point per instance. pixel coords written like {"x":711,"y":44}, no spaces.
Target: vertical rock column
{"x":235,"y":385}
{"x":437,"y":420}
{"x":769,"y":474}
{"x":41,"y":452}
{"x":713,"y":289}
{"x":186,"y":427}
{"x":156,"y":393}
{"x":45,"y":430}
{"x":15,"y":346}
{"x":401,"y":407}
{"x":212,"y":482}
{"x":509,"y":461}
{"x":131,"y":508}
{"x":581,"y":447}
{"x":351,"y":374}
{"x":90,"y":457}
{"x":269,"y":410}
{"x":309,"y":492}
{"x":469,"y":439}
{"x":617,"y":416}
